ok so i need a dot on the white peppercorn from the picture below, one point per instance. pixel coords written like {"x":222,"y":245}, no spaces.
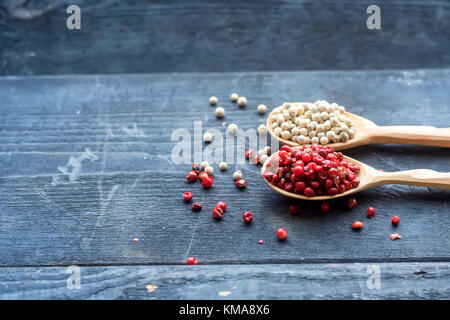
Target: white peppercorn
{"x":277,"y":131}
{"x":268,"y":150}
{"x":232,"y":129}
{"x":207,"y":137}
{"x":314,"y":140}
{"x":242,"y":101}
{"x":237,"y":175}
{"x":323,"y":140}
{"x":213,"y":100}
{"x":223,"y":166}
{"x":220,"y":112}
{"x":234,"y":97}
{"x":262,"y":130}
{"x":209,"y":170}
{"x":285,"y":134}
{"x":262,"y":109}
{"x":204,"y":164}
{"x":343,"y":136}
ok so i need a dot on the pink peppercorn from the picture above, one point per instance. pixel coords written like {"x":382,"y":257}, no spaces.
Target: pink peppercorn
{"x":187,"y":196}
{"x":248,"y":217}
{"x":207,"y":182}
{"x":370,"y":212}
{"x":395,"y":220}
{"x":281,"y":233}
{"x":191,"y":261}
{"x":293,"y":209}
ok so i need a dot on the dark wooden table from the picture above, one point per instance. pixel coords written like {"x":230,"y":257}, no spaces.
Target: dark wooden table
{"x":86,"y":167}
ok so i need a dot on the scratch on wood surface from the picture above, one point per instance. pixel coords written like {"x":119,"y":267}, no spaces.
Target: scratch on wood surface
{"x":133,"y":132}
{"x":73,"y":167}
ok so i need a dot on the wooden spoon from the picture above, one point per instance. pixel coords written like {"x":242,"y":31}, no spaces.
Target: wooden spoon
{"x":367,"y":132}
{"x":370,"y":177}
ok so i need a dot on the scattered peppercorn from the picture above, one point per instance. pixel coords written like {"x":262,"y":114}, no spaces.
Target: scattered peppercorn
{"x":281,"y":233}
{"x":209,"y":170}
{"x":395,"y":220}
{"x":248,"y":217}
{"x":217,"y":213}
{"x":261,"y":241}
{"x":207,"y":182}
{"x":394,"y":236}
{"x":191,"y":261}
{"x":222,"y":205}
{"x":222,"y":166}
{"x":220,"y":112}
{"x":234,"y":97}
{"x":196,"y":206}
{"x":204,"y":164}
{"x":351,"y":202}
{"x":232,"y":129}
{"x":195,"y":168}
{"x":293,"y":209}
{"x":242,"y":101}
{"x":213,"y":100}
{"x":262,"y":109}
{"x":187,"y":196}
{"x":357,"y":225}
{"x":241,"y":183}
{"x":202,"y":175}
{"x":325,"y":206}
{"x":207,"y":137}
{"x":192,"y":176}
{"x":237,"y":175}
{"x":370,"y":212}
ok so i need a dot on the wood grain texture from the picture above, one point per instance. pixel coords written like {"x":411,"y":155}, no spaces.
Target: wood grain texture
{"x":225,"y":282}
{"x":127,"y":186}
{"x":213,"y":35}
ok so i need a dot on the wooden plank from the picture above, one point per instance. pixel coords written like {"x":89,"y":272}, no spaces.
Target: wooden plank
{"x":215,"y":35}
{"x":224,"y":282}
{"x":126,"y":187}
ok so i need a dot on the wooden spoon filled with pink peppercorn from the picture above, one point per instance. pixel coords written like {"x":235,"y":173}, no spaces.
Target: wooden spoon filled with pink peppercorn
{"x":343,"y":130}
{"x":314,"y":172}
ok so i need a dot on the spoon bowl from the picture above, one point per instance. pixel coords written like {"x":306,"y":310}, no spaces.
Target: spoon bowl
{"x":367,"y":132}
{"x":370,"y":177}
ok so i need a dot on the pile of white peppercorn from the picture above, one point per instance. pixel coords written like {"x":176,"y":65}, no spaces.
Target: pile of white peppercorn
{"x":308,"y":123}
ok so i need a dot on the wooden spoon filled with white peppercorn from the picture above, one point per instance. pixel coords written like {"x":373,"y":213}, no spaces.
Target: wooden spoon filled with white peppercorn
{"x":305,"y":123}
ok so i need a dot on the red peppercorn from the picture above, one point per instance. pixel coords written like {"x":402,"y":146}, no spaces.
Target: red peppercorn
{"x":293,"y":209}
{"x":286,"y":148}
{"x":249,"y":153}
{"x":196,"y":206}
{"x":248,"y":217}
{"x":192,"y":176}
{"x":325,"y":206}
{"x":217,"y":213}
{"x":357,"y":225}
{"x":191,"y":261}
{"x":395,"y":220}
{"x":370,"y":212}
{"x":187,"y":196}
{"x":195,"y":168}
{"x":241,"y":183}
{"x":203,"y":175}
{"x":281,"y":233}
{"x":351,"y":202}
{"x":261,"y":241}
{"x":306,"y":157}
{"x":309,"y":192}
{"x":394,"y":236}
{"x":222,"y":205}
{"x":207,"y":182}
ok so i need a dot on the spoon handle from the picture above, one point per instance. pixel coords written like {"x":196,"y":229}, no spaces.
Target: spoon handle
{"x":419,"y":135}
{"x":418,"y":177}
